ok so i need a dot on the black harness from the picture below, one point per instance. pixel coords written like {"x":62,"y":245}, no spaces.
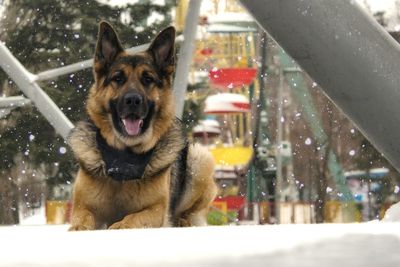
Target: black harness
{"x":122,"y":165}
{"x":178,"y":185}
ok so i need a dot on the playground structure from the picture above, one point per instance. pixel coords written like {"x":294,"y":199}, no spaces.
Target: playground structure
{"x":225,"y":51}
{"x":228,"y":49}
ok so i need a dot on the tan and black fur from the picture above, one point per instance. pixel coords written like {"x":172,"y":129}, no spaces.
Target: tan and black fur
{"x":144,"y":174}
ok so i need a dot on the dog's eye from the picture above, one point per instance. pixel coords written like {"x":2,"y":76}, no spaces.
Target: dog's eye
{"x":119,"y":78}
{"x":147,"y":79}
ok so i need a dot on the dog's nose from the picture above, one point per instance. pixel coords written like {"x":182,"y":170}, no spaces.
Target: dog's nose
{"x":133,"y":99}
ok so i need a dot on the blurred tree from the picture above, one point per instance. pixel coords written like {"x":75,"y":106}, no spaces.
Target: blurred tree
{"x":45,"y":34}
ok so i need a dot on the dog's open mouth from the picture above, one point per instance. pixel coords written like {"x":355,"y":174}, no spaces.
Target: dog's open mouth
{"x":133,"y":127}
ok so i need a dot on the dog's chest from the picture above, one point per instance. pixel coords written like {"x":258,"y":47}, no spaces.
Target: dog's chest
{"x":119,"y":199}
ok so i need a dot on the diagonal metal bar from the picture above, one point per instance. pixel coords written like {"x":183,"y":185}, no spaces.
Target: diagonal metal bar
{"x":25,"y":81}
{"x":349,"y":54}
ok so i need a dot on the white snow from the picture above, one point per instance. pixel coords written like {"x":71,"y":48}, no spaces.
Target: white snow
{"x":396,"y":189}
{"x":392,"y":214}
{"x":38,"y":217}
{"x":325,"y":245}
{"x":389,"y":7}
{"x":308,"y":141}
{"x":63,"y":150}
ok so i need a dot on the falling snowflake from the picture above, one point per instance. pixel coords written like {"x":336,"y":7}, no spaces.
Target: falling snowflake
{"x":308,"y":141}
{"x":396,"y":189}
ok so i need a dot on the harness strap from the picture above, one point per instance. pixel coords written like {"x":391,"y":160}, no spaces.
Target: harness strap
{"x":99,"y":159}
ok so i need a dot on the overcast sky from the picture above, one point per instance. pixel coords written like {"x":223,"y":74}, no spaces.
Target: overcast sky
{"x":380,"y":5}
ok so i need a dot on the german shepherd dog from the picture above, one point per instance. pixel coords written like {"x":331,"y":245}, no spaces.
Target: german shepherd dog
{"x":136,"y":167}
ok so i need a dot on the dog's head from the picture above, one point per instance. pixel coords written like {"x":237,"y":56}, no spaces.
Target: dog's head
{"x":131,"y":101}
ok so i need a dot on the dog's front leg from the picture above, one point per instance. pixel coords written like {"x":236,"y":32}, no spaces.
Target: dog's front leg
{"x":82,"y":219}
{"x":151,"y":217}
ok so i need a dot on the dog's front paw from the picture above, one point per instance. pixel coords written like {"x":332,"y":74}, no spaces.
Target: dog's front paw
{"x":78,"y":228}
{"x":184,"y":223}
{"x":117,"y":225}
{"x":124,"y":224}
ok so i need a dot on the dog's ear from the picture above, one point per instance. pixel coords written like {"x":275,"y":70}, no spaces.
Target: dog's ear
{"x":107,"y":48}
{"x":163,"y":49}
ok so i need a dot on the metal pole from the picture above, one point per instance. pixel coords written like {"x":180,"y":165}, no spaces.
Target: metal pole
{"x":185,"y":55}
{"x":13,"y":101}
{"x":25,"y":81}
{"x":279,"y":178}
{"x":369,"y":200}
{"x":53,"y":73}
{"x":349,"y":54}
{"x":9,"y":103}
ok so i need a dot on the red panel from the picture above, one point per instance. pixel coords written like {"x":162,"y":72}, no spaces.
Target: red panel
{"x":206,"y":51}
{"x":233,"y":202}
{"x":243,"y":106}
{"x":232,"y":77}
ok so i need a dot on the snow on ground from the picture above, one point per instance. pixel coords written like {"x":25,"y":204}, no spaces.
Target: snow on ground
{"x":38,"y":217}
{"x":392,"y":214}
{"x":327,"y":245}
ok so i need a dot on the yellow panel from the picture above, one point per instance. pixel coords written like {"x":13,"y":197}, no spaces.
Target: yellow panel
{"x":57,"y":212}
{"x":231,"y":156}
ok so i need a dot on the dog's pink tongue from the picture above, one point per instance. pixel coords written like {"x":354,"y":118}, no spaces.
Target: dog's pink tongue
{"x":132,"y":127}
